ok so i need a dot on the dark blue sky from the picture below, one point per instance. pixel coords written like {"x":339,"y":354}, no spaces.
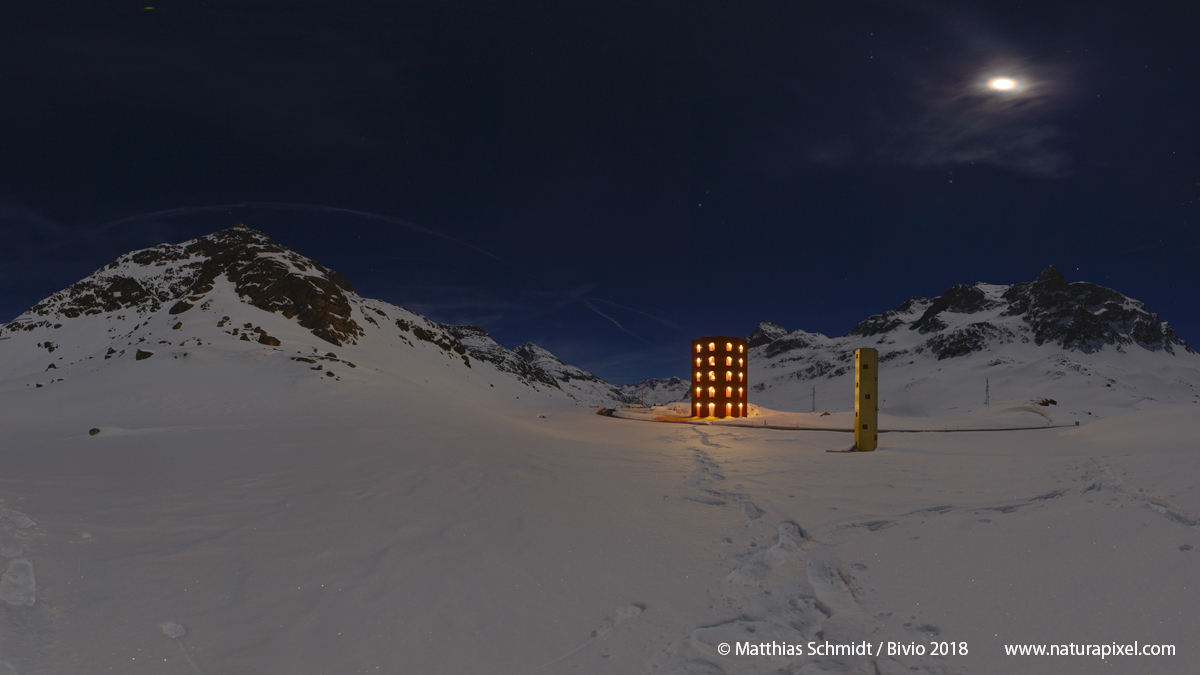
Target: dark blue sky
{"x":638,"y":173}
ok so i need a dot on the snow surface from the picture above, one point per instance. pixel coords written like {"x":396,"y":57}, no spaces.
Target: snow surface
{"x":240,"y":513}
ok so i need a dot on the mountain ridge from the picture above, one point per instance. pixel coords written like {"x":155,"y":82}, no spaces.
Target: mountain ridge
{"x":208,"y":289}
{"x":1048,"y":331}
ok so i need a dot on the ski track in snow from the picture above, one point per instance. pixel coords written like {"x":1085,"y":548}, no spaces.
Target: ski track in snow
{"x":27,"y":623}
{"x":607,"y":624}
{"x":707,"y":479}
{"x":31,"y":621}
{"x":828,"y":601}
{"x":176,"y":633}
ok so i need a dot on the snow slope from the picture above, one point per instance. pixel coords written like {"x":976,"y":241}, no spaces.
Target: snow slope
{"x":287,"y":523}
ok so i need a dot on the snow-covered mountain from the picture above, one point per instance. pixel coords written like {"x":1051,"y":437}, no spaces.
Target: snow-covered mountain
{"x":238,"y":293}
{"x":1079,"y":344}
{"x":533,"y":365}
{"x":657,"y":390}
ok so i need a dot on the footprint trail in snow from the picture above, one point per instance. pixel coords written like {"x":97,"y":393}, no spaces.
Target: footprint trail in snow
{"x":606,"y":626}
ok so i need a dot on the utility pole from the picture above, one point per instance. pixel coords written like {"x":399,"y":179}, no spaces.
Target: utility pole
{"x":987,"y":391}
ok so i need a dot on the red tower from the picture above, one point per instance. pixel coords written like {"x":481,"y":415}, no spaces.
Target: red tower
{"x":719,"y":383}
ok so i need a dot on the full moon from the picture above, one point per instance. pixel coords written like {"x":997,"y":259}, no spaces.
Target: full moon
{"x":1002,"y":83}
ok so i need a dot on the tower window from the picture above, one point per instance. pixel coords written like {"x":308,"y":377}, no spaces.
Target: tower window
{"x":728,"y":346}
{"x":712,"y":360}
{"x":697,"y":360}
{"x":697,"y":376}
{"x":728,"y":392}
{"x":741,"y":393}
{"x":741,"y":377}
{"x":729,"y":376}
{"x":729,"y":360}
{"x":712,"y":409}
{"x":697,"y":391}
{"x":741,"y":348}
{"x":728,"y":409}
{"x":712,"y":391}
{"x":697,"y":348}
{"x":712,"y":346}
{"x":741,"y":362}
{"x":712,"y":377}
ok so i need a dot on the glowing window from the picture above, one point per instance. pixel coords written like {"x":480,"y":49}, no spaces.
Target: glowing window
{"x":741,"y":362}
{"x":697,"y":391}
{"x":712,"y":409}
{"x":712,"y":360}
{"x":728,"y":346}
{"x":739,"y":408}
{"x":697,"y":348}
{"x":741,"y":348}
{"x":697,"y":376}
{"x":729,"y":360}
{"x":712,"y":377}
{"x":697,"y":360}
{"x":728,"y":392}
{"x":741,"y":377}
{"x":728,"y":408}
{"x":712,"y":347}
{"x":729,"y":376}
{"x":741,"y":393}
{"x":712,"y":391}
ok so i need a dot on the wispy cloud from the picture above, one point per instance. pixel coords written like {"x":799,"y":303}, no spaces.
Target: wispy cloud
{"x":666,"y":322}
{"x":15,"y":215}
{"x":935,"y":110}
{"x":587,"y":303}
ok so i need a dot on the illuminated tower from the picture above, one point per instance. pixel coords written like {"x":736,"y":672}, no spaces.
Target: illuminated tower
{"x":866,"y":399}
{"x":719,"y":383}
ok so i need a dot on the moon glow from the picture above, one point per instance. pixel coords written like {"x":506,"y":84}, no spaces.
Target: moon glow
{"x":1002,"y":83}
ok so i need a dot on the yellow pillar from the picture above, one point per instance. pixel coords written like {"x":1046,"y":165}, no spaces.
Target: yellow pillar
{"x":866,"y":399}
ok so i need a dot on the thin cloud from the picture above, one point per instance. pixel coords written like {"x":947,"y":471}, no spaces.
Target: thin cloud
{"x":666,"y":322}
{"x":317,"y":208}
{"x":19,"y":215}
{"x":935,"y":110}
{"x":616,"y":323}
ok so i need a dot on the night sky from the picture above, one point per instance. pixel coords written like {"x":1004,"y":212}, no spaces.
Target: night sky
{"x":611,"y":179}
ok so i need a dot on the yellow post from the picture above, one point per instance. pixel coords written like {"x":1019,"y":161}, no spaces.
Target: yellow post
{"x":866,"y":399}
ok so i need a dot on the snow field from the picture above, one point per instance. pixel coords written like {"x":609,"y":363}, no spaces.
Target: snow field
{"x":383,"y":523}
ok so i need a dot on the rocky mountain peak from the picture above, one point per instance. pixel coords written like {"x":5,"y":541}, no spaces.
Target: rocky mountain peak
{"x":536,"y":355}
{"x":1052,"y":278}
{"x":960,"y":299}
{"x":264,"y":274}
{"x":765,"y":333}
{"x":969,"y":319}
